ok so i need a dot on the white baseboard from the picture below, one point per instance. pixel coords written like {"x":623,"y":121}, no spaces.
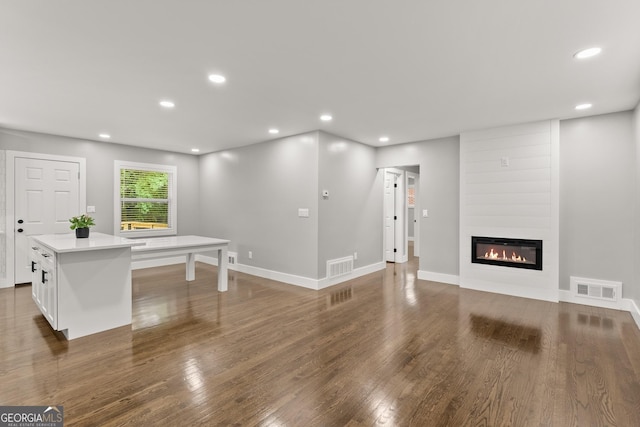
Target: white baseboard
{"x":624,"y":304}
{"x":568,"y":296}
{"x":531,"y":292}
{"x":292,"y":279}
{"x":449,"y":279}
{"x":357,"y":272}
{"x":635,"y":312}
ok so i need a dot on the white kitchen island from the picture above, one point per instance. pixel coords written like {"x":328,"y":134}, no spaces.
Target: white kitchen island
{"x":82,"y":286}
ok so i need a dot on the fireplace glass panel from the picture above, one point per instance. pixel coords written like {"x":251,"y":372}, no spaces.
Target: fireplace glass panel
{"x":517,"y":253}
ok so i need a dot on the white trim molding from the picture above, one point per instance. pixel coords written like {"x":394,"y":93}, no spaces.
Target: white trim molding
{"x":450,"y":279}
{"x":172,"y":171}
{"x":9,"y":280}
{"x":357,"y":272}
{"x":623,"y":304}
{"x":290,"y":279}
{"x":634,"y":310}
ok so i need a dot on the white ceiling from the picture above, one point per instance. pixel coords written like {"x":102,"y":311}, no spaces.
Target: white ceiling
{"x":409,"y":69}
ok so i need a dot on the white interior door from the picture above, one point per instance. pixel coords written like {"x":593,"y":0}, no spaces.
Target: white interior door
{"x":47,"y":194}
{"x":401,"y":231}
{"x":394,"y":225}
{"x":389,"y":212}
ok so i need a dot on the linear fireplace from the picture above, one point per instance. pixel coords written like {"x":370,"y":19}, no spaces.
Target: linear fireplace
{"x":517,"y":253}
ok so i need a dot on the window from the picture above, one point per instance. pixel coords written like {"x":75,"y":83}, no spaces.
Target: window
{"x":411,"y":196}
{"x":145,"y":199}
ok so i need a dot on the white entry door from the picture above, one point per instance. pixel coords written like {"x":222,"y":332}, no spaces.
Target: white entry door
{"x":47,"y":194}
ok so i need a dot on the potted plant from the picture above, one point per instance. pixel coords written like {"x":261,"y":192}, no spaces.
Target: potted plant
{"x":81,"y":224}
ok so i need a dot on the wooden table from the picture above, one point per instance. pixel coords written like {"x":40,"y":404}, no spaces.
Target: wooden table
{"x":161,"y":247}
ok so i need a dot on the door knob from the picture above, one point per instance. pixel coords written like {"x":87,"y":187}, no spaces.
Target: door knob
{"x":20,"y":230}
{"x":20,"y":221}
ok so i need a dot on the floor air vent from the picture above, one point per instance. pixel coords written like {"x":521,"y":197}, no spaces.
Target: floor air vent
{"x":339,"y":267}
{"x":593,"y":288}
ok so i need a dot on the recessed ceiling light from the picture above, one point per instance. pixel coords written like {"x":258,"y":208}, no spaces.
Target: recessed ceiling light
{"x":167,"y":104}
{"x":273,"y":131}
{"x":326,"y":117}
{"x":104,"y":136}
{"x":195,"y":150}
{"x":587,"y":53}
{"x":217,"y":78}
{"x":384,"y":139}
{"x":583,"y":106}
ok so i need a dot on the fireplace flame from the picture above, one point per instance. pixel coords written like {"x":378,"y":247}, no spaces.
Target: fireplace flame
{"x":495,"y":255}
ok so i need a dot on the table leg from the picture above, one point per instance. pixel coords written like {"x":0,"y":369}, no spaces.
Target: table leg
{"x":191,"y":267}
{"x":223,"y":259}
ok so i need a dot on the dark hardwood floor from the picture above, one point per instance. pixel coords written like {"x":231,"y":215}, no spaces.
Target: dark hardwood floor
{"x":384,"y":349}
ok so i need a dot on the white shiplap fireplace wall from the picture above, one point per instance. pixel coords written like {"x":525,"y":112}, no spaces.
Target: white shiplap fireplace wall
{"x":509,"y":188}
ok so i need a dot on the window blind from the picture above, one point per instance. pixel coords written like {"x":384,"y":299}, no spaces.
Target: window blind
{"x":144,"y":199}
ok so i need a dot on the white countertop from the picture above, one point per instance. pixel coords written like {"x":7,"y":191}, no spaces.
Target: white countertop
{"x":61,"y":243}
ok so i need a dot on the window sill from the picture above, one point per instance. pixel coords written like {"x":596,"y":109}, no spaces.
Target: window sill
{"x":147,"y":233}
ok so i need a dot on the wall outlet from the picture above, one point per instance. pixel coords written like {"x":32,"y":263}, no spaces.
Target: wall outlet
{"x":250,"y":255}
{"x":425,"y":213}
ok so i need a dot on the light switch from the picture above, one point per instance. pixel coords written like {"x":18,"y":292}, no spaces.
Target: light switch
{"x":425,"y":213}
{"x":303,"y":213}
{"x":91,"y":209}
{"x":504,"y":162}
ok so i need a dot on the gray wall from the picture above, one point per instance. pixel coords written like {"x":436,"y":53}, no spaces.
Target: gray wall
{"x":100,"y":181}
{"x":251,"y":196}
{"x":439,"y":161}
{"x":3,"y":255}
{"x":351,"y":218}
{"x":597,"y":188}
{"x":635,"y":289}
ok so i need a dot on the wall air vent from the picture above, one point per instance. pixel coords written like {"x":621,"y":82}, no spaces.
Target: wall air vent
{"x":594,"y":288}
{"x":339,"y":267}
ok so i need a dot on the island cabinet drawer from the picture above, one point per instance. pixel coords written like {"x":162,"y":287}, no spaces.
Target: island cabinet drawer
{"x":43,"y":282}
{"x":48,"y":282}
{"x":34,"y":258}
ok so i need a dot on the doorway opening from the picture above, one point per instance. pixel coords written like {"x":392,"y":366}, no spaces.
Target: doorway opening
{"x":401,"y":205}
